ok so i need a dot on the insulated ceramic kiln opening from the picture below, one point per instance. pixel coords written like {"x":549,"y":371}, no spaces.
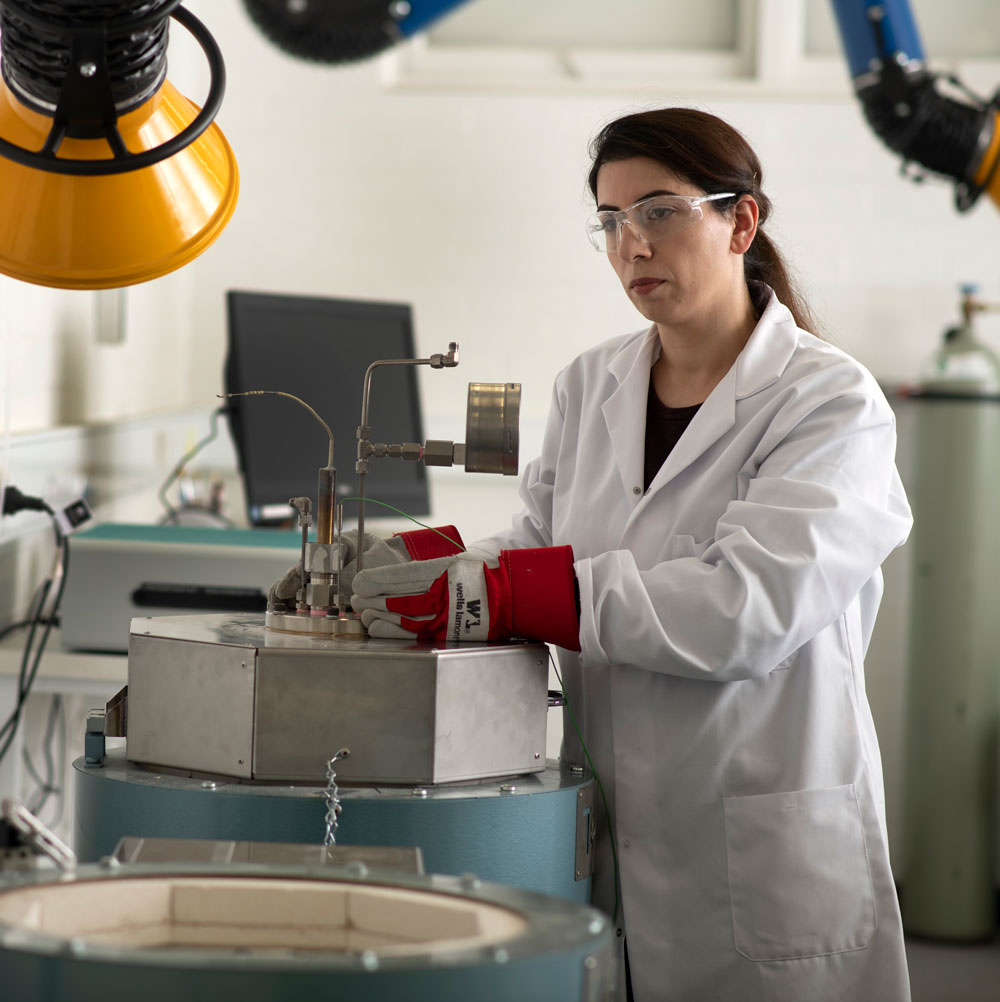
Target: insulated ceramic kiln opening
{"x":260,"y":914}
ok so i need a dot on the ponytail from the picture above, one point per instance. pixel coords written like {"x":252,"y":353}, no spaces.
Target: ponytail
{"x":763,"y":263}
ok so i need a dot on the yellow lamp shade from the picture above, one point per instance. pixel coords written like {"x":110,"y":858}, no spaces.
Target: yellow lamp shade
{"x":987,"y":173}
{"x":111,"y":230}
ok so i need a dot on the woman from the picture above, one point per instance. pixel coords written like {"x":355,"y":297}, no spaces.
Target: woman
{"x":720,"y":490}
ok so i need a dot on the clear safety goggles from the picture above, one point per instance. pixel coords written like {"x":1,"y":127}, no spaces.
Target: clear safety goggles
{"x":651,"y":219}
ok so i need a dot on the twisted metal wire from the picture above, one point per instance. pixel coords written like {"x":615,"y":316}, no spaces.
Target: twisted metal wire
{"x":333,"y":805}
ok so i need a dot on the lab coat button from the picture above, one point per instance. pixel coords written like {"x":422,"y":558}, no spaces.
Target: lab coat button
{"x":626,"y":843}
{"x":636,"y":490}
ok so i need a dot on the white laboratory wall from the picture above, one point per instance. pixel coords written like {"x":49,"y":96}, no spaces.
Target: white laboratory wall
{"x":468,"y":204}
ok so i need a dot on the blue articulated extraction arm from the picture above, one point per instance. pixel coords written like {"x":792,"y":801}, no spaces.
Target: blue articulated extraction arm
{"x":424,"y":12}
{"x":953,"y":136}
{"x":344,"y":30}
{"x":868,"y":30}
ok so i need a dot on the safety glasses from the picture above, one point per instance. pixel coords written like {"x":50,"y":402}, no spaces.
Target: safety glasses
{"x":651,"y":219}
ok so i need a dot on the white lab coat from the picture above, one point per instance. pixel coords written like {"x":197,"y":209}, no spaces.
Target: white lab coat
{"x":725,"y":614}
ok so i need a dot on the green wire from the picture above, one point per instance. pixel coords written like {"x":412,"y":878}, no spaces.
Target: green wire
{"x":399,"y":511}
{"x":597,"y":777}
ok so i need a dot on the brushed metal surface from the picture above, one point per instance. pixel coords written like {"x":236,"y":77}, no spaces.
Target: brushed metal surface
{"x":191,"y":705}
{"x":492,"y":707}
{"x":410,"y":713}
{"x":311,"y":703}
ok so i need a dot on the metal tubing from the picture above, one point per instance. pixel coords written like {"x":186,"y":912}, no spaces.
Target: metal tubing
{"x":359,"y":564}
{"x":340,"y":597}
{"x":325,"y":503}
{"x":440,"y":361}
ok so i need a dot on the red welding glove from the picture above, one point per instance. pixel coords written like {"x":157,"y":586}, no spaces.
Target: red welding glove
{"x":528,"y":593}
{"x":420,"y":544}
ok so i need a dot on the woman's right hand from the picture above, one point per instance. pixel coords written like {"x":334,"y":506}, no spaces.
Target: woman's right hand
{"x":420,"y":544}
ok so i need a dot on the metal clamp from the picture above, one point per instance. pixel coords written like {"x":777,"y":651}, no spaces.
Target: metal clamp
{"x":586,"y":832}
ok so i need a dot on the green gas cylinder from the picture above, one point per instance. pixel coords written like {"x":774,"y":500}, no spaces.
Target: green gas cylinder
{"x":953,"y":703}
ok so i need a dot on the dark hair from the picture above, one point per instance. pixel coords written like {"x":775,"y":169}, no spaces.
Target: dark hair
{"x":704,"y":151}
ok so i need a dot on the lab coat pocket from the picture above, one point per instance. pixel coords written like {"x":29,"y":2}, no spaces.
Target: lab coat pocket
{"x":799,"y":880}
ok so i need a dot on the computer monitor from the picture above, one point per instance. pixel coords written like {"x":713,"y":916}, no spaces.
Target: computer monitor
{"x":319,"y":349}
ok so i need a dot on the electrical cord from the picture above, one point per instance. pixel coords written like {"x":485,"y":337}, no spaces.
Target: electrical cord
{"x":32,"y":656}
{"x":49,"y":785}
{"x":61,"y":759}
{"x":38,"y":614}
{"x":20,"y":625}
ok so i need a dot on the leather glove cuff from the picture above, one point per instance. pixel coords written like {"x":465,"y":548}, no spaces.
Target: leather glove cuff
{"x":543,"y":589}
{"x":426,"y":544}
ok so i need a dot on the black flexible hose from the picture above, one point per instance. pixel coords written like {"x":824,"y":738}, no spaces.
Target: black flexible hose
{"x":927,"y":127}
{"x":37,"y":36}
{"x":327,"y":32}
{"x":122,"y":161}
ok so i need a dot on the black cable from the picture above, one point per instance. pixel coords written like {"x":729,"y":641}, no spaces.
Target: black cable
{"x":50,"y":765}
{"x":15,"y":500}
{"x":32,"y":657}
{"x":19,"y":625}
{"x":34,"y":614}
{"x":33,"y":772}
{"x":10,"y":725}
{"x":61,"y":759}
{"x":63,"y":569}
{"x":47,"y":786}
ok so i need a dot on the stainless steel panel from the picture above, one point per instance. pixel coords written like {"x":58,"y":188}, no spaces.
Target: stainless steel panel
{"x":247,"y":629}
{"x":310,"y":703}
{"x":410,"y":713}
{"x":191,"y":705}
{"x":235,"y":629}
{"x":492,"y":708}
